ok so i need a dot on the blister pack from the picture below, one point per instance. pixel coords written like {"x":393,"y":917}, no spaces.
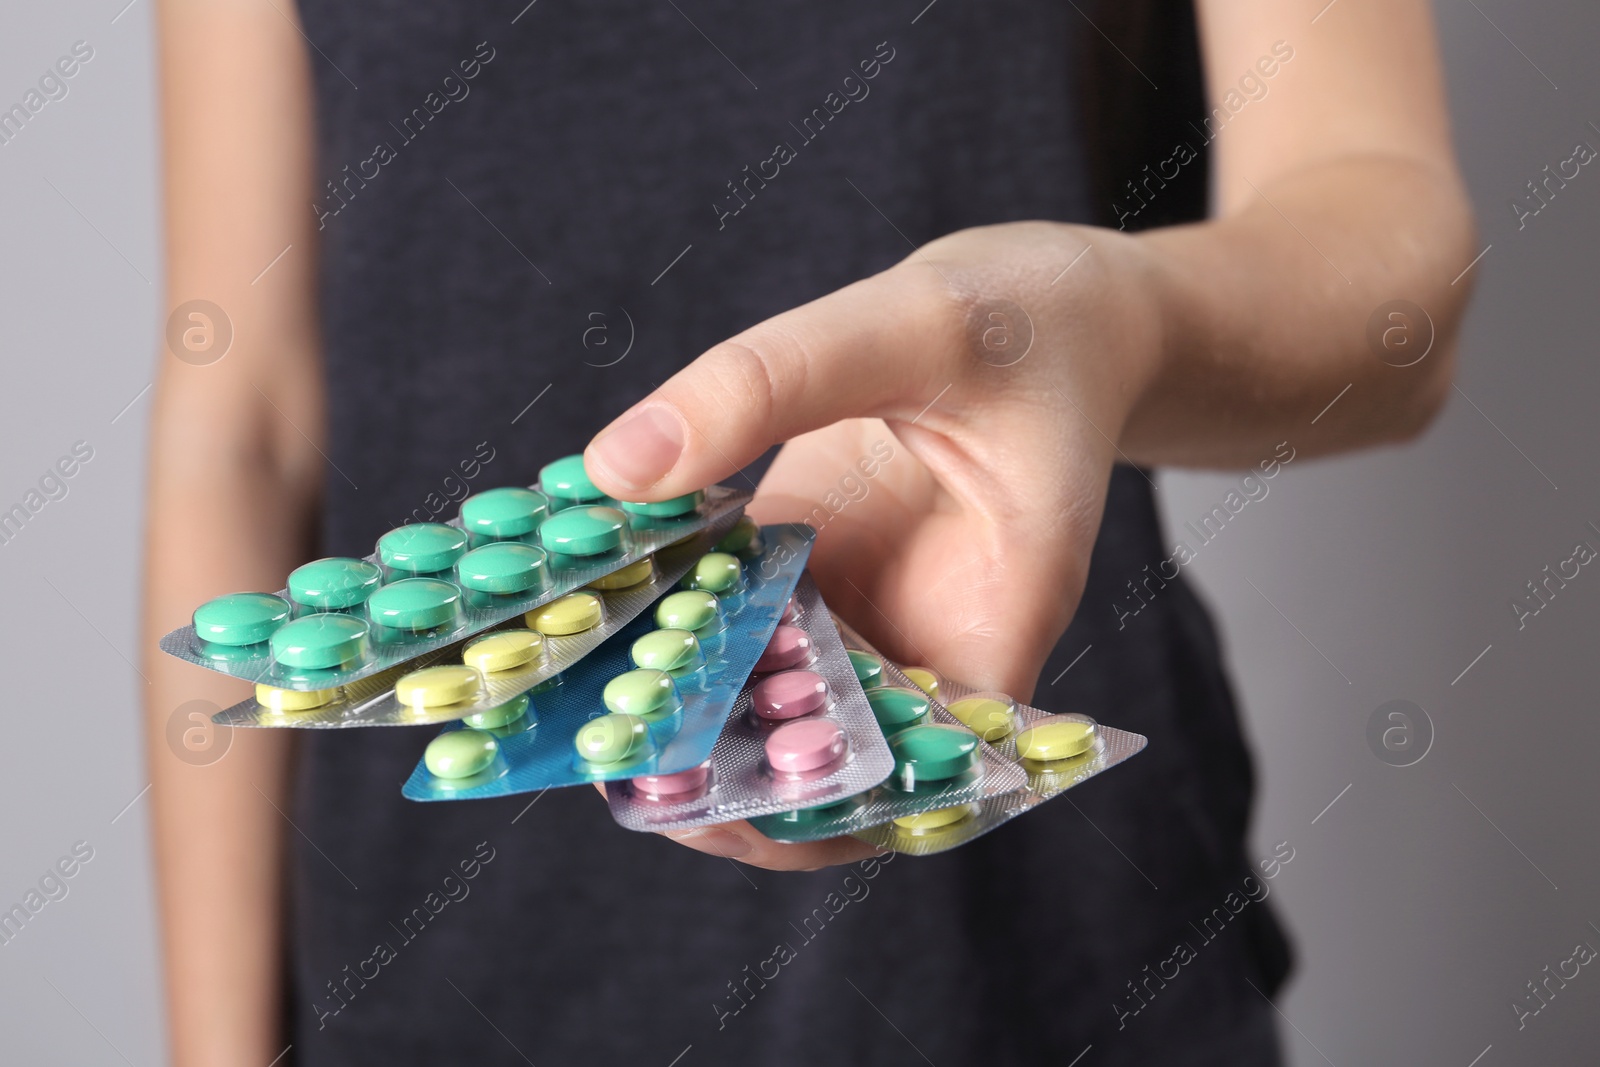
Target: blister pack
{"x":939,"y":764}
{"x":428,"y":585}
{"x":649,"y":701}
{"x":801,"y":733}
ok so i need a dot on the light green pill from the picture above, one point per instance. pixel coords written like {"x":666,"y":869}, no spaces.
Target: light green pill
{"x":645,"y":691}
{"x":692,"y":609}
{"x":503,"y":513}
{"x":503,"y":567}
{"x":585,"y":531}
{"x":896,"y":708}
{"x":933,"y":753}
{"x":567,"y":482}
{"x":869,"y":668}
{"x":240,"y":618}
{"x":422,"y":547}
{"x":335,"y":582}
{"x":611,"y":738}
{"x":666,"y":509}
{"x":716,"y":572}
{"x":414,"y":604}
{"x":500,"y":714}
{"x":460,"y":754}
{"x":744,"y":536}
{"x":666,"y":650}
{"x":317,"y":642}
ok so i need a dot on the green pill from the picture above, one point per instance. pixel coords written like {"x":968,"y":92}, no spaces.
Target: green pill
{"x":335,"y":582}
{"x":932,"y":753}
{"x":318,"y":642}
{"x":611,"y":738}
{"x":460,"y":754}
{"x":567,"y":482}
{"x":503,"y":567}
{"x":744,"y":537}
{"x":666,"y":650}
{"x":583,"y":531}
{"x":716,"y":572}
{"x":896,"y":708}
{"x":869,"y":668}
{"x":414,"y":604}
{"x":645,"y":691}
{"x":666,"y":509}
{"x":240,"y":618}
{"x":499,"y":715}
{"x":503,"y":513}
{"x":692,"y":609}
{"x":422,"y":547}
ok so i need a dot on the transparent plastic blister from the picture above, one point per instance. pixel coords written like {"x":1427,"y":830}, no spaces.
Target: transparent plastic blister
{"x":431,"y":585}
{"x":833,"y":750}
{"x":649,"y":701}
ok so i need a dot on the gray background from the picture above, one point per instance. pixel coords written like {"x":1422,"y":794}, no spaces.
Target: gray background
{"x":1421,"y":901}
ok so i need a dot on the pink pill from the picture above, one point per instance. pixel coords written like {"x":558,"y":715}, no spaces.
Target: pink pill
{"x":809,"y":745}
{"x":791,"y":612}
{"x":790,"y":647}
{"x":673,"y":786}
{"x":788,"y":695}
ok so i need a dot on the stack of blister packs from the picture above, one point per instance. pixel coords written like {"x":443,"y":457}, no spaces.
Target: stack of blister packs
{"x":672,"y":648}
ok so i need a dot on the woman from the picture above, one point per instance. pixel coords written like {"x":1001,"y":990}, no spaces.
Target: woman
{"x":454,"y":241}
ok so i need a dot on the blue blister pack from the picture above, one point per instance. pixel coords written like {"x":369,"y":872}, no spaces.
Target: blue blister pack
{"x":651,"y":700}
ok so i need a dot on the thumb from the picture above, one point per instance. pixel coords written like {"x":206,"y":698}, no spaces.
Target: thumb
{"x":871,"y":348}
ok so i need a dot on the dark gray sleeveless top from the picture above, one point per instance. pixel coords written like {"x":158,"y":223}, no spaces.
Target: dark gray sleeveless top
{"x":511,"y":198}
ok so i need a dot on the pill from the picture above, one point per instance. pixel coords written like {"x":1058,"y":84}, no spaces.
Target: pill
{"x":896,"y":708}
{"x":499,"y":715}
{"x":666,"y":509}
{"x":744,"y":537}
{"x":317,"y":642}
{"x":716,"y":572}
{"x":937,"y":819}
{"x":566,"y":482}
{"x":642,"y":692}
{"x":240,"y":618}
{"x":422,"y":547}
{"x":788,"y":695}
{"x":633,"y":574}
{"x":990,"y":717}
{"x":791,"y":612}
{"x":806,"y":745}
{"x":460,"y":754}
{"x":269,"y":696}
{"x":503,"y":567}
{"x":503,"y":650}
{"x":691,"y":609}
{"x":414,"y":604}
{"x":932,"y":753}
{"x":611,"y":738}
{"x":1055,"y":739}
{"x":586,"y":531}
{"x":571,"y":614}
{"x":923,"y":678}
{"x":680,"y":786}
{"x":433,"y":687}
{"x":667,"y":650}
{"x":790,"y":647}
{"x":869,"y":668}
{"x":502,"y":513}
{"x":335,"y":582}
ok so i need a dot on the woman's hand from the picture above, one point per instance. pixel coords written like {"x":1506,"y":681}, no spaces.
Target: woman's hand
{"x":950,"y":427}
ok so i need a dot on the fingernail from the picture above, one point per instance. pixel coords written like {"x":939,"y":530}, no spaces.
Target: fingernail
{"x":722,"y":843}
{"x":640,"y":450}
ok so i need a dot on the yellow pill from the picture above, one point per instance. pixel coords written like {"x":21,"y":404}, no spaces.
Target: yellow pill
{"x":434,"y":687}
{"x":990,"y":717}
{"x":1055,"y":739}
{"x":293,"y":699}
{"x":628,"y":577}
{"x":924,"y":679}
{"x":503,"y":650}
{"x":571,"y":614}
{"x":938,"y":818}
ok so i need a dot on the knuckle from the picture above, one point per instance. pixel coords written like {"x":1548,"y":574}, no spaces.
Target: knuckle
{"x":751,"y":371}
